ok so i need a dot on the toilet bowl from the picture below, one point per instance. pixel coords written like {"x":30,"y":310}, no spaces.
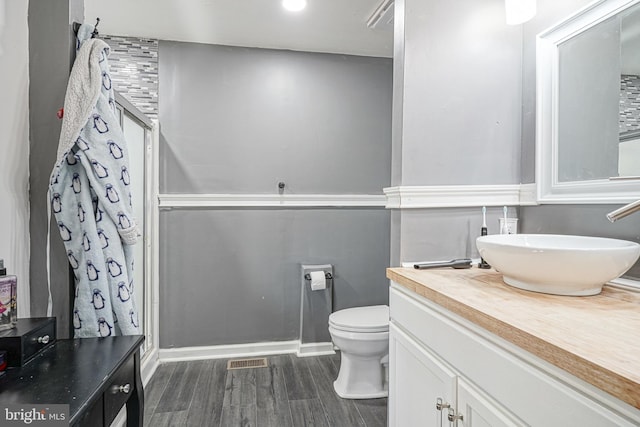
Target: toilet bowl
{"x":362,"y":335}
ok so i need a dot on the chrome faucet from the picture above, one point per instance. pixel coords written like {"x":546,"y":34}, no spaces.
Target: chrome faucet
{"x":624,"y":211}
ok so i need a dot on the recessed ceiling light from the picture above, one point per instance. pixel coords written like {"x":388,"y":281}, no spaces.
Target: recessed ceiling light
{"x":294,"y":5}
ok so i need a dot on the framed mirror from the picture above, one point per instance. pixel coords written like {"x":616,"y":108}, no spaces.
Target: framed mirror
{"x":588,"y":106}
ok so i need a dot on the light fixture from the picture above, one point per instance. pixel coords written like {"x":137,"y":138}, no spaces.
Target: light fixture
{"x":294,"y":5}
{"x":519,"y":11}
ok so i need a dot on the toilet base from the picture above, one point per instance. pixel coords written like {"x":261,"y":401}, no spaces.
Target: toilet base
{"x":381,"y":394}
{"x":360,"y":378}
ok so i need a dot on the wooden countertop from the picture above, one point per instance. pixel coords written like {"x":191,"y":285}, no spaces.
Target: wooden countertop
{"x":595,"y":338}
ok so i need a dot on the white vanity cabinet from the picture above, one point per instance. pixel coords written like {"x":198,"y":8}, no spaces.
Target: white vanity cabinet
{"x":424,"y":391}
{"x":417,"y":383}
{"x":437,"y":356}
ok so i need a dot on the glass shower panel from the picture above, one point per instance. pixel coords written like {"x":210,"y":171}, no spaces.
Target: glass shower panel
{"x":136,"y":142}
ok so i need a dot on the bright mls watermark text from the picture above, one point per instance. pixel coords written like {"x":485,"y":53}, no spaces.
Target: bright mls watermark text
{"x":34,"y":415}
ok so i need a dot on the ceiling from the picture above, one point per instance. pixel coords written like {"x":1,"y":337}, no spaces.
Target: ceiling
{"x":335,"y":26}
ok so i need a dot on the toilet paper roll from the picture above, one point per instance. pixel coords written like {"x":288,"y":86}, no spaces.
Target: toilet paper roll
{"x":318,"y":281}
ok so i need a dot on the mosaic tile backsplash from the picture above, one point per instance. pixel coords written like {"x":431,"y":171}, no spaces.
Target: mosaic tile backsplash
{"x":134,"y":71}
{"x":629,"y":103}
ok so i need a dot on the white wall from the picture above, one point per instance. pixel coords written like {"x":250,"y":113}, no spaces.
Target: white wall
{"x":14,"y":145}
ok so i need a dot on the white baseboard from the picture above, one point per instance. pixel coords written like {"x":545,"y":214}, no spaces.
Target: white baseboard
{"x":315,"y":349}
{"x":244,"y":350}
{"x":227,"y":351}
{"x":148,"y":367}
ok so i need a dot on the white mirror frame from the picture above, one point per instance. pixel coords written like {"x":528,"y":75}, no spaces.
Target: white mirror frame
{"x":549,"y":189}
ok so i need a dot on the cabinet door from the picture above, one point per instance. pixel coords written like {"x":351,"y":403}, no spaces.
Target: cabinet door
{"x":416,"y":381}
{"x":479,"y":410}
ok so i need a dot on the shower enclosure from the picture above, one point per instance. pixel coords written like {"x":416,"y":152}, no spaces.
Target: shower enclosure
{"x":141,"y":133}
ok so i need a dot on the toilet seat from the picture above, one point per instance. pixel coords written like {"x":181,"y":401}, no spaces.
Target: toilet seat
{"x":361,"y":319}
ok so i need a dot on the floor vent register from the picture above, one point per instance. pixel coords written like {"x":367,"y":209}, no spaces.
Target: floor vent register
{"x":247,"y":363}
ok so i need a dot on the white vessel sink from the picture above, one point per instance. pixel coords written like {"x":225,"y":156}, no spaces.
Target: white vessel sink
{"x":558,"y":264}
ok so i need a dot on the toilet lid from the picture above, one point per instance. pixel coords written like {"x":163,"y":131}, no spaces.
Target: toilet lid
{"x":361,"y":319}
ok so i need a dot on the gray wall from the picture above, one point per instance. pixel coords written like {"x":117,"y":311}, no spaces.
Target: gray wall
{"x":232,"y":276}
{"x":398,"y":94}
{"x":460,"y":94}
{"x":587,"y":220}
{"x":445,"y":133}
{"x":239,"y":120}
{"x":51,"y":52}
{"x":445,"y":233}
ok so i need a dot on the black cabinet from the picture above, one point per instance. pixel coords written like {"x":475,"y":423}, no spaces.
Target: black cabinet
{"x":30,"y":336}
{"x":92,"y":416}
{"x":119,"y":389}
{"x":94,"y":376}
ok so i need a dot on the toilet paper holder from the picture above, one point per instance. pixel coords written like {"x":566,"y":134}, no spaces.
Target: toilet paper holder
{"x":327,"y":276}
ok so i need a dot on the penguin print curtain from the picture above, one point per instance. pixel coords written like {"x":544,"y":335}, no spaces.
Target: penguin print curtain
{"x":91,"y":200}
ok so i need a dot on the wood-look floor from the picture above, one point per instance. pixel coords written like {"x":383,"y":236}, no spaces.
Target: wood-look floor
{"x":291,"y":391}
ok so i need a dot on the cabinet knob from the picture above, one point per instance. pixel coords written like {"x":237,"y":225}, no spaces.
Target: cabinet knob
{"x":440,"y":404}
{"x":125,"y":388}
{"x":452,"y":417}
{"x":44,"y":339}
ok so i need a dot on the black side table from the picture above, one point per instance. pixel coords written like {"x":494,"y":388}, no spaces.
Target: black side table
{"x":94,"y":376}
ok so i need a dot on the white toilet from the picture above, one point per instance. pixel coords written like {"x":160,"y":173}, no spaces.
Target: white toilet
{"x":362,"y":335}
